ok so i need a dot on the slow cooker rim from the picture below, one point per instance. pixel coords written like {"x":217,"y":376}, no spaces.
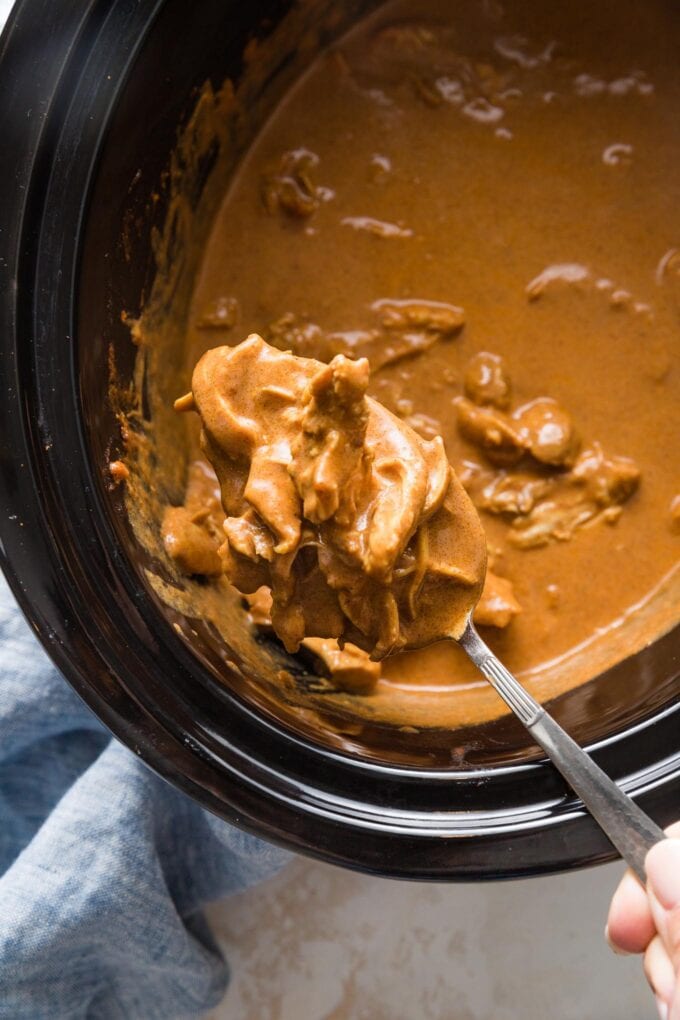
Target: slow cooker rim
{"x":30,"y":552}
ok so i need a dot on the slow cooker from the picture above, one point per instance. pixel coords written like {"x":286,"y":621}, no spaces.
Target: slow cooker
{"x":93,"y":97}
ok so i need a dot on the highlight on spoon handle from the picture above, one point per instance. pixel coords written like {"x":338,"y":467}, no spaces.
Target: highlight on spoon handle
{"x":626,"y":825}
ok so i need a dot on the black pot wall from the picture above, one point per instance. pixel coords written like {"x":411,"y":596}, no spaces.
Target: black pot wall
{"x":109,"y":83}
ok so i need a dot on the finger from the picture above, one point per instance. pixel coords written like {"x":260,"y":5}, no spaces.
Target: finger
{"x":674,"y":1012}
{"x":663,"y":884}
{"x":630,"y":925}
{"x":659,"y":971}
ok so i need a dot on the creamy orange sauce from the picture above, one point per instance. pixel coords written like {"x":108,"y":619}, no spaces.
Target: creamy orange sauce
{"x":484,"y":201}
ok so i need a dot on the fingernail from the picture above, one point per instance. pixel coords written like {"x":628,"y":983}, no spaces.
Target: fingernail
{"x":662,"y":1007}
{"x":612,"y":945}
{"x":663,"y":872}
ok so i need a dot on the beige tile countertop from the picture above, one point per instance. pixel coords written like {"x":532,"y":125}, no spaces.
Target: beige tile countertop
{"x":319,"y":943}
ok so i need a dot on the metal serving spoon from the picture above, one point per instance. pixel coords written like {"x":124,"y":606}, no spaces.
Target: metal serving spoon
{"x":630,"y":830}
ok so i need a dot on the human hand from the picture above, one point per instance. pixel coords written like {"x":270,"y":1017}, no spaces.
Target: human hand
{"x":648,"y":921}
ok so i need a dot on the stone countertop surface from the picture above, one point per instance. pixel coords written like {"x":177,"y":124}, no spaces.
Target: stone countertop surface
{"x":319,"y":943}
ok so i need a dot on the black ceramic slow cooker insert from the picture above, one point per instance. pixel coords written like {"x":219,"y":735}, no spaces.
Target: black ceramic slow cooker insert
{"x":93,"y":94}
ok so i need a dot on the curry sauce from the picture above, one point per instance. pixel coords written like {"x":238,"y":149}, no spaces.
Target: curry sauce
{"x":483,"y":201}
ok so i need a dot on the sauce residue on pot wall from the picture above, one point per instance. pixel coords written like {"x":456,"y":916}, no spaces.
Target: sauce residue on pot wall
{"x":483,"y":200}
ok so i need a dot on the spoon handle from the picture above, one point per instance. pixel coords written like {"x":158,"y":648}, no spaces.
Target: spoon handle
{"x":627,"y":827}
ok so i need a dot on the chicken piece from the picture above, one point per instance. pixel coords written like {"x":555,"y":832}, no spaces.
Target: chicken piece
{"x":595,"y":488}
{"x":497,"y":606}
{"x":382,"y":351}
{"x":550,"y":521}
{"x":202,"y":497}
{"x":406,"y":328}
{"x":192,"y":534}
{"x":307,"y":339}
{"x":188,"y":544}
{"x":486,"y":382}
{"x":502,"y":492}
{"x":541,"y":428}
{"x":606,"y":481}
{"x":350,"y":667}
{"x":329,"y":462}
{"x":260,"y":606}
{"x":547,"y":431}
{"x":492,"y":431}
{"x":433,"y":316}
{"x":357,"y":525}
{"x":292,"y":190}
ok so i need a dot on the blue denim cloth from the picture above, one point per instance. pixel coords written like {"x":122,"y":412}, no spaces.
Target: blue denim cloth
{"x":104,"y":866}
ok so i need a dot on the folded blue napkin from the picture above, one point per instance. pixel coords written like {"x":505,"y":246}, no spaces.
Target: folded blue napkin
{"x":104,"y":866}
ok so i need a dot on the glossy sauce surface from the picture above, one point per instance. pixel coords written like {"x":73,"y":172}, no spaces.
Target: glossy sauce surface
{"x":459,"y":179}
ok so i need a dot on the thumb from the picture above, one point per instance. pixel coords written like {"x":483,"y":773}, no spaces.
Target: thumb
{"x":663,"y":885}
